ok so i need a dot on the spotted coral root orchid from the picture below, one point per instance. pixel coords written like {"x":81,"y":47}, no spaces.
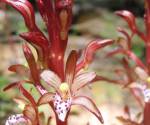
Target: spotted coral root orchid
{"x":137,"y":74}
{"x":66,"y":78}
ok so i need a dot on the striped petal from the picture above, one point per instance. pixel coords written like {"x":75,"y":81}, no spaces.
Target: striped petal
{"x":51,"y":78}
{"x":82,"y":80}
{"x":70,"y":67}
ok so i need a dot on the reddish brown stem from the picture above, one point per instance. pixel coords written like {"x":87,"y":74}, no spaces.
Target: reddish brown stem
{"x":148,"y":56}
{"x":58,"y":122}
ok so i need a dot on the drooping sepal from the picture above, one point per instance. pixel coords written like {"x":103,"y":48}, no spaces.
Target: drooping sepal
{"x":88,"y":104}
{"x":89,"y":51}
{"x":32,"y":63}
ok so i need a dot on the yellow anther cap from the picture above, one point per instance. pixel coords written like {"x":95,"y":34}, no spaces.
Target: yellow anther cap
{"x":64,"y":87}
{"x":148,"y":80}
{"x":21,"y":106}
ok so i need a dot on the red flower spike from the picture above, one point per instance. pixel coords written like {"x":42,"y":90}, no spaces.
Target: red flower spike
{"x":130,"y":18}
{"x":32,"y":64}
{"x":146,"y":114}
{"x":71,"y":67}
{"x":25,"y":8}
{"x":90,"y":50}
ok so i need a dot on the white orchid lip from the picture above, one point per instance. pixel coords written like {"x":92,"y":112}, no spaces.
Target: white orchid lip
{"x":61,"y":107}
{"x":16,"y":120}
{"x":146,"y":93}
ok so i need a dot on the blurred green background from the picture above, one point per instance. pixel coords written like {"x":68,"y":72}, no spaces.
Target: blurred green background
{"x":91,"y":19}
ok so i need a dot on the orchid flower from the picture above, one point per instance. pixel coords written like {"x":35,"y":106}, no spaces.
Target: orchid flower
{"x":66,"y":93}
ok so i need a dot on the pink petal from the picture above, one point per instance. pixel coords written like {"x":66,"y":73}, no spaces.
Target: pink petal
{"x":51,"y":78}
{"x":70,"y":67}
{"x":89,"y":51}
{"x":82,"y":80}
{"x":88,"y":104}
{"x":26,"y":9}
{"x":142,"y":74}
